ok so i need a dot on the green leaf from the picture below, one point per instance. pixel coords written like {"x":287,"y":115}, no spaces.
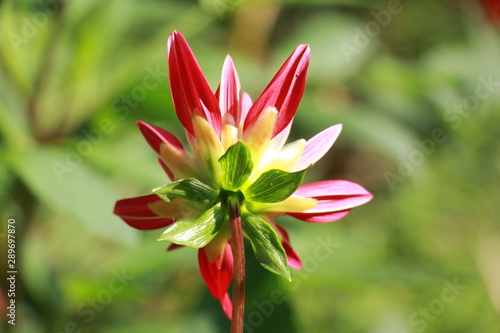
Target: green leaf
{"x":265,"y":243}
{"x":274,"y":186}
{"x":191,"y":189}
{"x":236,"y":166}
{"x":199,"y":232}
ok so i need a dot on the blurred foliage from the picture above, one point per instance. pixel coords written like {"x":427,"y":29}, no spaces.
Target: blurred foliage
{"x":75,"y":75}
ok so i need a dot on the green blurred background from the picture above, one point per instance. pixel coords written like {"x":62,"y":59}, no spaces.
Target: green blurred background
{"x":415,"y":83}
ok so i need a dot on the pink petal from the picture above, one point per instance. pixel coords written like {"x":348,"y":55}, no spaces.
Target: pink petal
{"x":218,"y":275}
{"x":155,"y":136}
{"x":317,"y":146}
{"x":246,"y":104}
{"x":229,"y":92}
{"x":292,"y":256}
{"x":330,"y":189}
{"x":283,"y":135}
{"x":188,"y":85}
{"x":136,"y":213}
{"x":338,"y":203}
{"x":320,"y":217}
{"x":335,"y":199}
{"x":285,"y":90}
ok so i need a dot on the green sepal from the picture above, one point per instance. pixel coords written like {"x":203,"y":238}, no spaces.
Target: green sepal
{"x":266,"y":244}
{"x":197,"y":233}
{"x":236,"y":166}
{"x":190,"y":188}
{"x":274,"y":186}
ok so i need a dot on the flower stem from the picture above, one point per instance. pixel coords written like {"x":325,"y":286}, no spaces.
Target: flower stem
{"x":238,"y":247}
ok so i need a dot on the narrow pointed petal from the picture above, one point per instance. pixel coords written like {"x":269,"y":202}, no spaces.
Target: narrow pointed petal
{"x":188,"y":85}
{"x":229,"y":133}
{"x":174,"y":159}
{"x":321,"y":217}
{"x":229,"y":90}
{"x":283,"y":135}
{"x":174,"y":246}
{"x":287,"y":157}
{"x":167,"y":170}
{"x":155,"y":136}
{"x":285,"y":90}
{"x":246,"y":104}
{"x":292,"y":204}
{"x":217,"y":246}
{"x":257,"y":137}
{"x":335,"y":199}
{"x":206,"y":141}
{"x":318,"y":146}
{"x":218,"y":275}
{"x":334,"y":190}
{"x":227,"y":306}
{"x":178,"y":161}
{"x":292,"y":256}
{"x":137,"y":212}
{"x":207,"y":149}
{"x":340,"y":202}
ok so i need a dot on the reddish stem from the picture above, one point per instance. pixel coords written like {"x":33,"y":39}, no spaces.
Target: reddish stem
{"x":238,"y":246}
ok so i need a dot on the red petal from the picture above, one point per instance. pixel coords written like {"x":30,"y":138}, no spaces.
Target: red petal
{"x":136,"y":213}
{"x":188,"y":85}
{"x":285,"y":90}
{"x":167,"y":169}
{"x":218,"y":275}
{"x":174,"y":246}
{"x":227,"y":306}
{"x":292,"y":256}
{"x":155,"y":136}
{"x":492,"y":8}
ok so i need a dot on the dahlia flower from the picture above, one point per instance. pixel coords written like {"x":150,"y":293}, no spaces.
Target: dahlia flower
{"x":237,"y":160}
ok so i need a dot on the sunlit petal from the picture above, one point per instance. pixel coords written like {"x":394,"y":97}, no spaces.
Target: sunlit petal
{"x":317,"y":146}
{"x":229,"y":91}
{"x":284,"y":92}
{"x":188,"y":85}
{"x":258,"y":135}
{"x":218,"y":275}
{"x":137,"y":212}
{"x":155,"y":136}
